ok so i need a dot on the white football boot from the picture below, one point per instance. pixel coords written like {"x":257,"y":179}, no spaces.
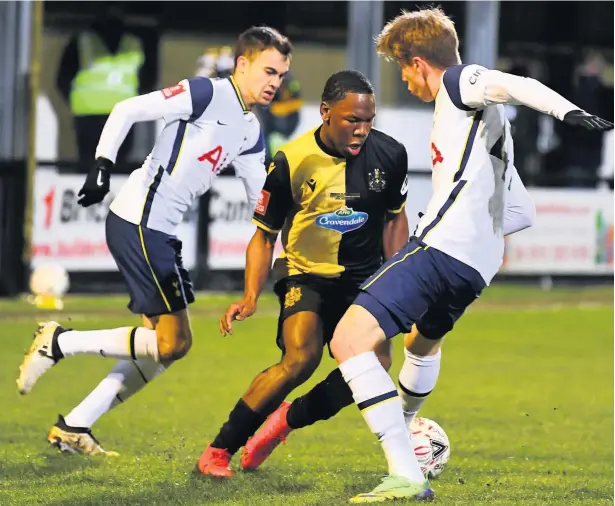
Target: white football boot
{"x":39,"y":358}
{"x":75,"y":440}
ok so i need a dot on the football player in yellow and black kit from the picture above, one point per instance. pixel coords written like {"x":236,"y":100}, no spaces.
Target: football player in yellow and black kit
{"x":337,"y":195}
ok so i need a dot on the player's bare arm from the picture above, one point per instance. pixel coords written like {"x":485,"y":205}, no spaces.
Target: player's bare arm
{"x":259,"y":256}
{"x":270,"y":212}
{"x":395,"y":234}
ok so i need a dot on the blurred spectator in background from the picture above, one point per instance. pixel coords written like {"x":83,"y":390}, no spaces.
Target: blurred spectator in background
{"x":579,"y":155}
{"x":100,"y":67}
{"x":226,"y":62}
{"x":206,"y":63}
{"x":280,"y":119}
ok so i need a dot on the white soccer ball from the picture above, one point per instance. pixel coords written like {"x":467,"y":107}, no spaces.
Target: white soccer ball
{"x":431,"y":446}
{"x":49,"y":280}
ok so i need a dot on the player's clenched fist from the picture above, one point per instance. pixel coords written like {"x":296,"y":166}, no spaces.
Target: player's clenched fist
{"x":96,"y":184}
{"x":236,"y":311}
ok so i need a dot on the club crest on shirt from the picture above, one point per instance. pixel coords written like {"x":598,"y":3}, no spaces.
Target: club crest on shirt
{"x":292,"y":296}
{"x":376,"y":180}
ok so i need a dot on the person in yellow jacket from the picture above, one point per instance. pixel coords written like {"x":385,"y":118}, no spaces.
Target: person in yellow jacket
{"x":280,"y":119}
{"x":100,"y":67}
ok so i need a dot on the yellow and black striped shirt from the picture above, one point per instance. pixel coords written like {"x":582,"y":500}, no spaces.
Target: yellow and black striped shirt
{"x":332,"y":210}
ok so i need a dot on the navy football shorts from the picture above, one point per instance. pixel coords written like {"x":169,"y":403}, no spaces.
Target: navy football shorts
{"x":150,"y":262}
{"x":423,"y":286}
{"x":328,"y":298}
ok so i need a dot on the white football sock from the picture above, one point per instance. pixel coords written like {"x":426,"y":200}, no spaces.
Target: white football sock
{"x":125,"y":379}
{"x":124,"y":342}
{"x":376,"y":396}
{"x":417,"y":379}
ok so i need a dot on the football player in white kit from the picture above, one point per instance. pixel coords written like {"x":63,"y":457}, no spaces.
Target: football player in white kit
{"x":458,"y":246}
{"x":208,"y":125}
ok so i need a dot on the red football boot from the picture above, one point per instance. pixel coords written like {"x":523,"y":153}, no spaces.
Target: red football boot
{"x":215,"y":462}
{"x":273,"y":432}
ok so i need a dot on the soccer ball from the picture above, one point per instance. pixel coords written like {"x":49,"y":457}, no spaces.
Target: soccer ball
{"x":48,"y":283}
{"x":431,"y":446}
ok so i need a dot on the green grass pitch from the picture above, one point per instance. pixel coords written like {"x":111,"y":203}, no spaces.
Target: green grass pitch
{"x":525,"y":396}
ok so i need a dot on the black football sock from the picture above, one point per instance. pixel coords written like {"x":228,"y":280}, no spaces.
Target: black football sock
{"x":325,"y":400}
{"x":241,"y":425}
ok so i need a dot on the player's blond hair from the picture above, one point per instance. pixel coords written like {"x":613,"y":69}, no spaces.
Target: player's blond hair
{"x":428,"y":33}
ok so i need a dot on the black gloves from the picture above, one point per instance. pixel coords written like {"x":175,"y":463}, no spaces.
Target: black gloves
{"x":96,"y":184}
{"x":586,"y":120}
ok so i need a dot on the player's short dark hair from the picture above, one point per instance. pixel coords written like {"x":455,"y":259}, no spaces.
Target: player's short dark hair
{"x":343,"y":82}
{"x":258,"y":38}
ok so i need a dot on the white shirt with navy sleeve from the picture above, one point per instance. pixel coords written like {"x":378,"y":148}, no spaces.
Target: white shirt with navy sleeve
{"x":207,"y":128}
{"x":472,"y":175}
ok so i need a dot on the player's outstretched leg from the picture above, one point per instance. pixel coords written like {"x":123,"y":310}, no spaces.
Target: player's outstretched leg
{"x":324,"y":401}
{"x":40,"y":357}
{"x":356,"y":336}
{"x":303,"y":345}
{"x":53,"y":342}
{"x":170,"y":340}
{"x":73,"y":433}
